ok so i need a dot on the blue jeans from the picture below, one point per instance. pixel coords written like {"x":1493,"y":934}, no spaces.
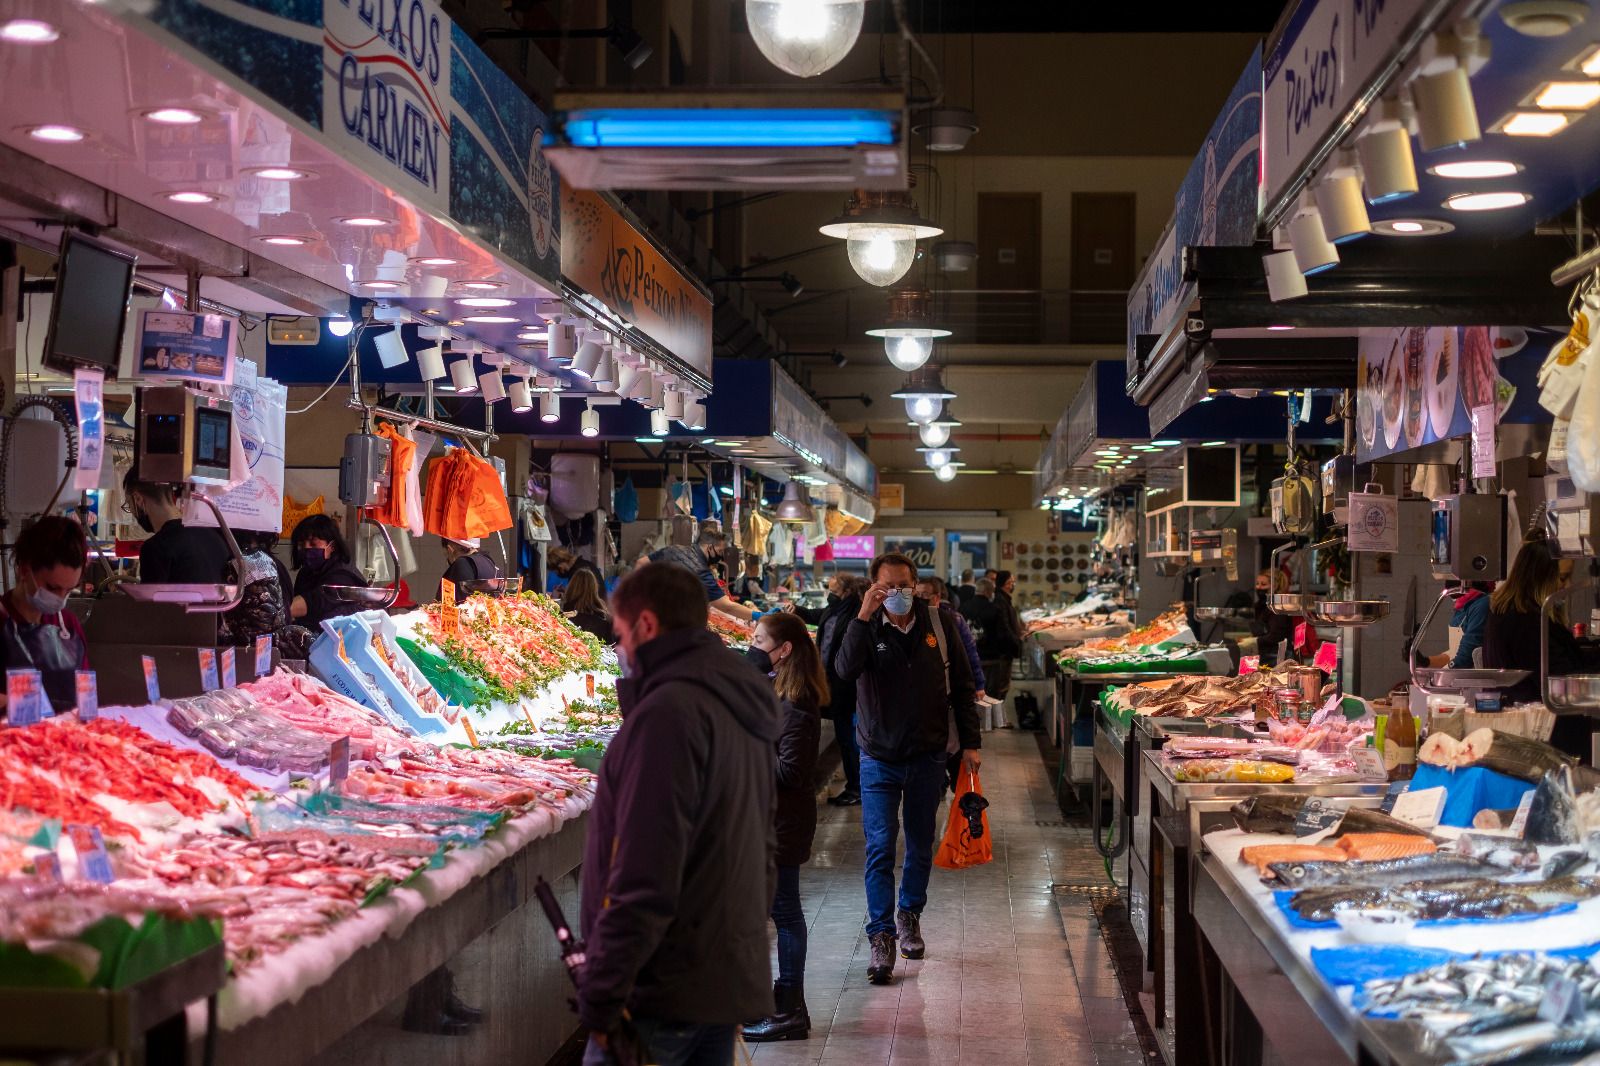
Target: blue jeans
{"x":790,"y":919}
{"x":892,"y":792}
{"x":675,"y":1044}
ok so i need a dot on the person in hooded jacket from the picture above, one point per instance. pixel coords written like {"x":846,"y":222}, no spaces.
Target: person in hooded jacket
{"x":678,"y":870}
{"x":783,"y":650}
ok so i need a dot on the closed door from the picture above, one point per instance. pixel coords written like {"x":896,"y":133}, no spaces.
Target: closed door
{"x":1102,"y":266}
{"x":1008,"y":261}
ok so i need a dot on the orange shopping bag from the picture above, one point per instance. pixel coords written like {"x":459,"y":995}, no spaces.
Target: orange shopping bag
{"x":966,"y":836}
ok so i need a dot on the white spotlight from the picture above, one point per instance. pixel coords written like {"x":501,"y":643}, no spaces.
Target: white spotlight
{"x":1344,"y":212}
{"x":604,"y":377}
{"x":673,"y":404}
{"x":1387,"y":165}
{"x":1284,"y":280}
{"x":587,"y":360}
{"x":1312,"y":249}
{"x":521,"y":398}
{"x":550,"y":407}
{"x":430,"y":362}
{"x":659,"y":426}
{"x":391,"y":348}
{"x":492,"y":385}
{"x":589,"y":425}
{"x":461,"y":372}
{"x":561,"y":343}
{"x":694,"y":415}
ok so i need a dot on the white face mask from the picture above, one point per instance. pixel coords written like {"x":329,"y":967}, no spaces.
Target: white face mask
{"x":898,"y":602}
{"x":46,"y":602}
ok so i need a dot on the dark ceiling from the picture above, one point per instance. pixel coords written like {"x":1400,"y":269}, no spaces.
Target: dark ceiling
{"x":1075,"y":16}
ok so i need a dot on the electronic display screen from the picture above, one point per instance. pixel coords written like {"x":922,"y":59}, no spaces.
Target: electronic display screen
{"x":212,"y":438}
{"x":90,"y":306}
{"x":1211,"y":475}
{"x":163,"y":434}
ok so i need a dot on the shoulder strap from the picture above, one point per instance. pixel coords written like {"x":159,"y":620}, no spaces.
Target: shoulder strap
{"x":936,"y":624}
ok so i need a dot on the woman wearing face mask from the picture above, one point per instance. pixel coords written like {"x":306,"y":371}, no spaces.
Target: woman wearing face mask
{"x":37,"y":632}
{"x":318,"y":551}
{"x":782,"y":649}
{"x":1268,"y":627}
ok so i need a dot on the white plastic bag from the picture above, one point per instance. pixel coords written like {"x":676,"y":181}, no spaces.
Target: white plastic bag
{"x":1583,"y":435}
{"x":1564,"y":370}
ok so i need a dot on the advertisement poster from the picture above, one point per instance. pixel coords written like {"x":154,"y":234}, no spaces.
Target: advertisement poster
{"x":89,"y":395}
{"x":180,"y":346}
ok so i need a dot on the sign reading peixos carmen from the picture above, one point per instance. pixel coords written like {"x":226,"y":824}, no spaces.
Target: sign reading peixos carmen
{"x":603,"y":255}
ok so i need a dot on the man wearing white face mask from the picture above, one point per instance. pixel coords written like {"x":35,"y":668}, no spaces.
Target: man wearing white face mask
{"x":914,"y":708}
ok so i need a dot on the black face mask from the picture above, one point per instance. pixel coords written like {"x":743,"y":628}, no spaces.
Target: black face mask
{"x":143,"y":520}
{"x":759,"y":659}
{"x":834,"y":599}
{"x":314,"y":558}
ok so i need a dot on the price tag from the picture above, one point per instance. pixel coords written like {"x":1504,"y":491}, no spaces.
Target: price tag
{"x":208,"y":669}
{"x":338,"y":762}
{"x":472,"y":734}
{"x":25,"y":702}
{"x":263,"y":655}
{"x":1519,"y":821}
{"x":589,"y":684}
{"x":449,"y":613}
{"x":152,"y":684}
{"x":1369,"y":763}
{"x":1421,"y":807}
{"x":230,"y":675}
{"x":1327,"y":657}
{"x":88,"y":691}
{"x":1483,"y":447}
{"x":1249,"y":664}
{"x":1562,"y":1003}
{"x":47,"y":867}
{"x":94,"y":864}
{"x":1316,"y":815}
{"x":1302,"y":636}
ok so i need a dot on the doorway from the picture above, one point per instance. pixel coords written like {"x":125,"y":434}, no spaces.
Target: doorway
{"x":1011,"y":309}
{"x":1102,"y":266}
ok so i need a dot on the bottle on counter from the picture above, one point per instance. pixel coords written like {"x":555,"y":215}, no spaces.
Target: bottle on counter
{"x":1400,"y":743}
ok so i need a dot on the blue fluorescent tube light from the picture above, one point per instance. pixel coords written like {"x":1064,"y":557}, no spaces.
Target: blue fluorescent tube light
{"x":727,"y":127}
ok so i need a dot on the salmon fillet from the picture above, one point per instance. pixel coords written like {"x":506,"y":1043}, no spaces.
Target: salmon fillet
{"x":1375,"y":847}
{"x":1264,"y":855}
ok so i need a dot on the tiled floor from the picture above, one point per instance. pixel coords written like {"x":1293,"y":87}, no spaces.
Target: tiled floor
{"x":1016,"y":973}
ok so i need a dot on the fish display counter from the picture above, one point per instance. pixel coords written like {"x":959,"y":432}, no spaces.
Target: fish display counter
{"x":1327,"y":932}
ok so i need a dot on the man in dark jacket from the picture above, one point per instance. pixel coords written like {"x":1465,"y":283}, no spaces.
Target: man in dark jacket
{"x":914,"y":707}
{"x":678,"y":871}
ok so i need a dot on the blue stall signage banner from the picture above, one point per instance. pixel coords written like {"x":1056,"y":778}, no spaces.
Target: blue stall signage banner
{"x":403,"y":93}
{"x":179,"y":346}
{"x":1216,"y":206}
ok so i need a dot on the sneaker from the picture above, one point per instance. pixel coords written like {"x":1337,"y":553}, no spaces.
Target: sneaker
{"x":908,"y":927}
{"x":882,"y":968}
{"x":846,"y":798}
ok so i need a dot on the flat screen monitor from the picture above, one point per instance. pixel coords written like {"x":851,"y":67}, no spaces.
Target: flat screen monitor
{"x":1211,"y":475}
{"x":90,"y":307}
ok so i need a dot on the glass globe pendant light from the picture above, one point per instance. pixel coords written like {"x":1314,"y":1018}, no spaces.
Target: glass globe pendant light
{"x":937,"y":457}
{"x":947,"y":472}
{"x":804,"y":37}
{"x":924,"y":395}
{"x":881,"y":228}
{"x":908,"y":332}
{"x":937,"y":432}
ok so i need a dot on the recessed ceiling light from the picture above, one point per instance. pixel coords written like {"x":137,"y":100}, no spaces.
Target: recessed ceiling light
{"x":1279,"y":329}
{"x":1476,"y":168}
{"x":431,"y":311}
{"x":486,"y":301}
{"x":56,"y":133}
{"x":379,"y":284}
{"x":28,"y":31}
{"x":1411,"y":227}
{"x":1568,"y":95}
{"x":192,"y":196}
{"x":532,"y":336}
{"x":1166,"y":443}
{"x":174,"y":116}
{"x":1590,"y":64}
{"x":496,"y":320}
{"x":1532,"y":124}
{"x":1486,"y":201}
{"x":1213,"y":444}
{"x":285,"y":239}
{"x":280,"y":173}
{"x":483,"y":286}
{"x":1544,"y":18}
{"x":363,"y":220}
{"x":435,"y":261}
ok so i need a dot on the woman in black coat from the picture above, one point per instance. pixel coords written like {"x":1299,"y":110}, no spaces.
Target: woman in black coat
{"x":783,"y":650}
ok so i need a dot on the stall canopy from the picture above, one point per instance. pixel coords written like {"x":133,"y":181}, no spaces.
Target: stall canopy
{"x":1105,"y":439}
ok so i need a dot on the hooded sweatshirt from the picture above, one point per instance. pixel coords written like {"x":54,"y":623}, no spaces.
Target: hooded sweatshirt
{"x":678,"y":871}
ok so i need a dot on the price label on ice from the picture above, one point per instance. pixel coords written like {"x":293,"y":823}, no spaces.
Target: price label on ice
{"x":88,"y":693}
{"x":263,"y":655}
{"x":1519,"y":821}
{"x":1316,"y":815}
{"x":152,"y":684}
{"x":1563,"y":1002}
{"x":230,"y":673}
{"x":338,"y":762}
{"x":25,"y":702}
{"x":208,"y":669}
{"x":94,"y":864}
{"x":47,"y":867}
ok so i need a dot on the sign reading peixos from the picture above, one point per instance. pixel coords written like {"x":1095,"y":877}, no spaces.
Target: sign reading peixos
{"x":386,"y":84}
{"x":607,"y":258}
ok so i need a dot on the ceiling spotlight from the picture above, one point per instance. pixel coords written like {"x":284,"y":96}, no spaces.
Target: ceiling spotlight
{"x":923,"y":393}
{"x":1343,"y":210}
{"x":673,"y":403}
{"x":837,"y":358}
{"x":363,"y":221}
{"x":280,"y":173}
{"x":483,"y":286}
{"x":192,"y":196}
{"x":659,"y":426}
{"x":1476,"y":168}
{"x":563,"y":339}
{"x":492,"y":385}
{"x":1486,"y":201}
{"x":430,"y":362}
{"x":56,"y":133}
{"x":587,"y":360}
{"x":934,"y":434}
{"x":1387,"y":167}
{"x":174,"y":116}
{"x":1313,"y":252}
{"x":461,"y":374}
{"x":804,"y":37}
{"x":28,"y":31}
{"x":550,"y":407}
{"x":1411,"y":227}
{"x":1567,"y":95}
{"x":908,"y":332}
{"x":379,"y":284}
{"x":1284,"y":280}
{"x":340,"y":325}
{"x":947,"y":472}
{"x":1446,"y":114}
{"x":1532,"y":124}
{"x":435,"y":261}
{"x":521,"y":398}
{"x":881,"y":228}
{"x":286,"y":240}
{"x":589,"y":424}
{"x":484,"y":301}
{"x":955,"y":257}
{"x":604,"y":377}
{"x":1544,"y":18}
{"x":635,"y":50}
{"x":946,"y":129}
{"x":490,"y":320}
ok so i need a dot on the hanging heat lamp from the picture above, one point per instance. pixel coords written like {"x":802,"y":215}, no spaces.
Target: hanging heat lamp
{"x":881,"y":228}
{"x":908,"y":331}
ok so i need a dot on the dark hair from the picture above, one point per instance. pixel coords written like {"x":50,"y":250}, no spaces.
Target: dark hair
{"x":892,"y":559}
{"x":937,"y":584}
{"x":1535,"y":574}
{"x":966,"y":575}
{"x":52,"y":541}
{"x":153,"y":489}
{"x":1000,"y":579}
{"x":255,"y":540}
{"x":800,"y":678}
{"x":675,"y":595}
{"x":583,"y":594}
{"x":318,"y":527}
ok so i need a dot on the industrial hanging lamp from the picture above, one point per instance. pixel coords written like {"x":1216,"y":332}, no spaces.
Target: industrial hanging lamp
{"x":805,"y":37}
{"x":795,"y":507}
{"x":908,"y":333}
{"x":881,"y":228}
{"x":937,"y":432}
{"x":923,"y":393}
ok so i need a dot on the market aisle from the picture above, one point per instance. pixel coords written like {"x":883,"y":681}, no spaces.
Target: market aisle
{"x":1017,"y":972}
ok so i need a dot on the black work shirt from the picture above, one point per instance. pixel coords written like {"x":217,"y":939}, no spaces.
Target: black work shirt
{"x":184,"y":555}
